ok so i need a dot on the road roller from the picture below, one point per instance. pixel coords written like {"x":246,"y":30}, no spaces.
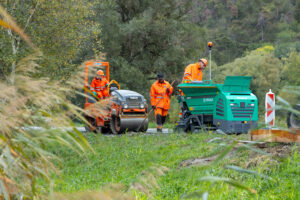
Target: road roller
{"x":123,"y":110}
{"x":230,"y":107}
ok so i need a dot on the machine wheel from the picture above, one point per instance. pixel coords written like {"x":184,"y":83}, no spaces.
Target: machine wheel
{"x":293,"y":120}
{"x":115,"y":125}
{"x":98,"y":130}
{"x":179,"y":129}
{"x":105,"y":130}
{"x":87,"y":128}
{"x":91,"y":126}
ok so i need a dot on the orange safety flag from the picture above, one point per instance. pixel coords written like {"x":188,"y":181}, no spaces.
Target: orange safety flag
{"x":192,"y":72}
{"x":158,"y":91}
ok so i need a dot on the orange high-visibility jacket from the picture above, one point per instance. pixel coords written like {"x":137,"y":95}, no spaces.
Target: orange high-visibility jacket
{"x":98,"y":85}
{"x":158,"y":91}
{"x":193,"y":73}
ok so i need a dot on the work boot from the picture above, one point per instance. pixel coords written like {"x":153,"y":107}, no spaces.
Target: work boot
{"x":159,"y":130}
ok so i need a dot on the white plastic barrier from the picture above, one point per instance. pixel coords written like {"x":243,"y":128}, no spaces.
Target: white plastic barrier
{"x":270,"y":109}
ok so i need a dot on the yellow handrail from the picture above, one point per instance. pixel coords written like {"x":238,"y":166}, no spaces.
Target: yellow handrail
{"x":111,"y":82}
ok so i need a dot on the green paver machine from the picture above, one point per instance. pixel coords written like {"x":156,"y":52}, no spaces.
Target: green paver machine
{"x":230,"y":107}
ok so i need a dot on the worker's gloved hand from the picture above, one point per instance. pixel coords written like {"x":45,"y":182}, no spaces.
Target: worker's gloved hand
{"x":153,"y":107}
{"x":94,"y":93}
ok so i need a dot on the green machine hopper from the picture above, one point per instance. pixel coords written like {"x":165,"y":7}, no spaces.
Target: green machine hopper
{"x":230,"y":107}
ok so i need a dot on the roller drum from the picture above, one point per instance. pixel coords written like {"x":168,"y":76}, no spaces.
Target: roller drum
{"x":132,"y":124}
{"x":121,"y":124}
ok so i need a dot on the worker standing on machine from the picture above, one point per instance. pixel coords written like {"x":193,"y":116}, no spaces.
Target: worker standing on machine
{"x":99,"y":85}
{"x":160,"y":94}
{"x":193,"y":72}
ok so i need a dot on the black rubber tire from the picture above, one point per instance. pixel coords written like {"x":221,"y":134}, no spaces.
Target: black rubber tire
{"x":179,"y":129}
{"x":98,"y":130}
{"x":88,"y":127}
{"x":92,"y":125}
{"x":293,"y":120}
{"x":105,"y":130}
{"x":115,"y":125}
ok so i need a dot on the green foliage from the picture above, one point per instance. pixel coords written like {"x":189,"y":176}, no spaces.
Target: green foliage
{"x":241,"y":25}
{"x":291,"y":69}
{"x":142,"y":38}
{"x":59,"y":29}
{"x":122,"y":160}
{"x":297,"y":11}
{"x":290,"y":77}
{"x":261,"y":64}
{"x":287,"y":40}
{"x":62,"y":33}
{"x":173,"y":114}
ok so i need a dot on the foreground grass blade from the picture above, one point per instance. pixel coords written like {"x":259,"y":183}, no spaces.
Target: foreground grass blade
{"x":196,"y":194}
{"x":225,"y":152}
{"x":228,"y":181}
{"x":4,"y":190}
{"x":250,"y":147}
{"x":83,"y":140}
{"x":283,"y":101}
{"x":239,"y":169}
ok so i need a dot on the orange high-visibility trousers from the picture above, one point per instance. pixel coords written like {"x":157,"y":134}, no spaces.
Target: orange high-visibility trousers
{"x":160,"y":98}
{"x":160,"y":117}
{"x":102,"y":94}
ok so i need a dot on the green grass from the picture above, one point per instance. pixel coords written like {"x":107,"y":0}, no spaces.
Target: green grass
{"x":122,"y":159}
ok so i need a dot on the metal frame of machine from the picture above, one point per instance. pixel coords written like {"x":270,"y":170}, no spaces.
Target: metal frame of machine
{"x":127,"y":110}
{"x":230,"y":107}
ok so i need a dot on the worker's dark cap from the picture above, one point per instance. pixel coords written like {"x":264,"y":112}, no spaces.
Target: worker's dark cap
{"x":160,"y":75}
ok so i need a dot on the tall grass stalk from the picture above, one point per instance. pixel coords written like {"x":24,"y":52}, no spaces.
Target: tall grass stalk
{"x":34,"y":101}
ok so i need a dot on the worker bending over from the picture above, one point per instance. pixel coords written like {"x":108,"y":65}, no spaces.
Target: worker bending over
{"x":160,"y":94}
{"x":193,"y":72}
{"x":99,"y":85}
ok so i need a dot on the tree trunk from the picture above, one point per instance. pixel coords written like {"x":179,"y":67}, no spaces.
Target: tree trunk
{"x":15,"y":48}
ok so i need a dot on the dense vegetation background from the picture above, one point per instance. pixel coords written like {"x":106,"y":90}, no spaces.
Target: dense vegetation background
{"x":140,"y":38}
{"x":143,"y":37}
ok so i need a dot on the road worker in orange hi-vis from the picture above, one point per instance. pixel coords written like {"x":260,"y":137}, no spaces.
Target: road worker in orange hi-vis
{"x":99,"y":85}
{"x":193,"y":72}
{"x":160,"y":94}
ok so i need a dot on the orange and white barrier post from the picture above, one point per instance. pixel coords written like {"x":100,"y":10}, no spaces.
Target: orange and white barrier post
{"x":270,"y":109}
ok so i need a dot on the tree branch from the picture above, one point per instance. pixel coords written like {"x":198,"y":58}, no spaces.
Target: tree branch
{"x":31,"y":14}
